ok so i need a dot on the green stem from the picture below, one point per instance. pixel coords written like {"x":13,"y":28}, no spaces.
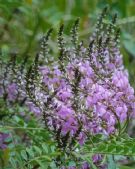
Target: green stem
{"x":22,"y":128}
{"x":108,"y":153}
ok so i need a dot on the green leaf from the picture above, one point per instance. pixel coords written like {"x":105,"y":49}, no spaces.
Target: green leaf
{"x":121,"y":146}
{"x":53,"y":165}
{"x":30,"y":152}
{"x":111,"y":162}
{"x":45,"y":148}
{"x":43,"y":164}
{"x":38,"y":150}
{"x":24,"y":155}
{"x":111,"y":148}
{"x":71,"y":163}
{"x":13,"y":162}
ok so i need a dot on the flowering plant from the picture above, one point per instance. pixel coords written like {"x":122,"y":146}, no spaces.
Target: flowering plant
{"x":82,"y":93}
{"x":85,"y":90}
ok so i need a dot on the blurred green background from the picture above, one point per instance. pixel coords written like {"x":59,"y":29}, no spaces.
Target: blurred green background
{"x":23,"y":22}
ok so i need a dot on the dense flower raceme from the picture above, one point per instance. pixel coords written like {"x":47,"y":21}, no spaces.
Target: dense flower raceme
{"x":104,"y":97}
{"x":86,"y":91}
{"x":9,"y":88}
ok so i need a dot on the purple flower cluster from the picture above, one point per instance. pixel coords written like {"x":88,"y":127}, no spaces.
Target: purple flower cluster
{"x":87,"y":87}
{"x":3,"y":137}
{"x":8,"y":88}
{"x":103,"y":99}
{"x":10,"y":91}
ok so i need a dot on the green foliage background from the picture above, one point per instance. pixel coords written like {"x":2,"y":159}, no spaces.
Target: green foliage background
{"x":22,"y":24}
